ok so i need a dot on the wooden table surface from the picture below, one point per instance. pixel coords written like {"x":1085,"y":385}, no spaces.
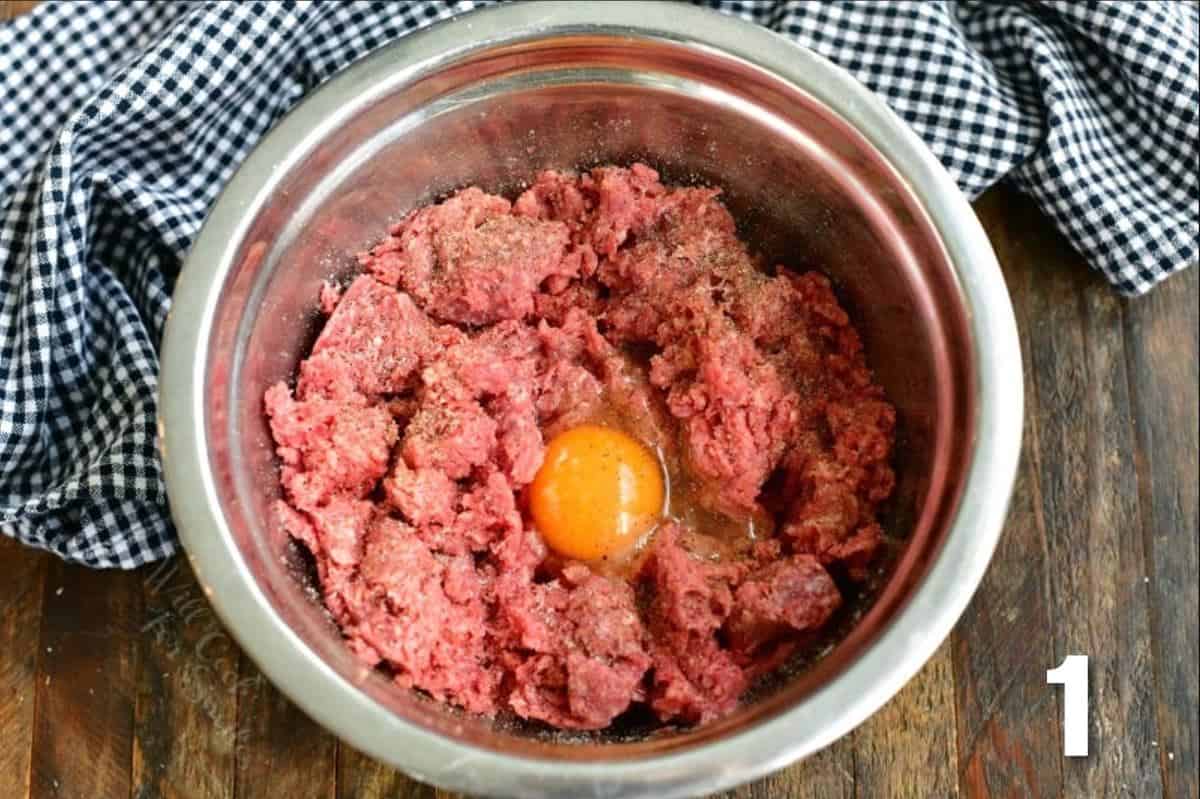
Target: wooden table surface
{"x":120,"y":685}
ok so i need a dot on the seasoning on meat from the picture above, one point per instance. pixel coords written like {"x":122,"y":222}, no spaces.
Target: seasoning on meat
{"x":695,"y":678}
{"x":575,"y":648}
{"x":480,"y":330}
{"x":794,"y":594}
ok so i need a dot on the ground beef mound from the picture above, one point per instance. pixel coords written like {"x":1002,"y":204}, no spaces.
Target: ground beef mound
{"x":478,"y":329}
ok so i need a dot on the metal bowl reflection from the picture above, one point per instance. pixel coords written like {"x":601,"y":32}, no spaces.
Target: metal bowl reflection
{"x":819,"y":173}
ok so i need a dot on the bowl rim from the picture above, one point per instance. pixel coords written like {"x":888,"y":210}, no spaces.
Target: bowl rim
{"x":878,"y":673}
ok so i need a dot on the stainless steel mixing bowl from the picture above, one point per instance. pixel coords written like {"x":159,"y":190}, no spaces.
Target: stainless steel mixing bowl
{"x":819,"y":173}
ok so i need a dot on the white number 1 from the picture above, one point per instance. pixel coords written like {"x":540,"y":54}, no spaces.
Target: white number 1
{"x":1072,"y":675}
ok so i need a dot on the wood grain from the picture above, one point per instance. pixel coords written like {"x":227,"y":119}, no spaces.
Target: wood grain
{"x":185,"y":720}
{"x":1085,"y":469}
{"x":12,"y":8}
{"x":1162,"y":353}
{"x":21,"y":588}
{"x":908,"y":749}
{"x":361,"y":777}
{"x":115,"y":685}
{"x":83,"y":723}
{"x":1008,"y":725}
{"x":282,"y":752}
{"x":829,"y":774}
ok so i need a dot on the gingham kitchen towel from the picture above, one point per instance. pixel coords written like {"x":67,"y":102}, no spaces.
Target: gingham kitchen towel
{"x":120,"y":122}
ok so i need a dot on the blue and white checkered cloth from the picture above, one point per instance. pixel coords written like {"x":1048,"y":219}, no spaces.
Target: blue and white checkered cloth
{"x":119,"y":123}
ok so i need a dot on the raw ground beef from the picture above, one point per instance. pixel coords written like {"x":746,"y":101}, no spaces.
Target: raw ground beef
{"x":478,"y":329}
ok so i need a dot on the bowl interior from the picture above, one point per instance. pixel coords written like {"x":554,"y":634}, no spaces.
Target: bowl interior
{"x":807,"y":190}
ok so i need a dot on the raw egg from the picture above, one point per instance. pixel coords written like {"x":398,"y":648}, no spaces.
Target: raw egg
{"x":598,"y":491}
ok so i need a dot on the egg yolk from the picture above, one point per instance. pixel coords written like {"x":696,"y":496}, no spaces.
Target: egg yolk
{"x":598,"y":491}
